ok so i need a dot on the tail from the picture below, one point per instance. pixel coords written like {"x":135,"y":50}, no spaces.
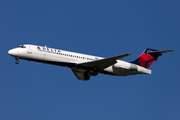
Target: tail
{"x":148,"y":57}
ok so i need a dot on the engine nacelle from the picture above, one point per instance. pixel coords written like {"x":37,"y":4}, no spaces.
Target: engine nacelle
{"x":133,"y":67}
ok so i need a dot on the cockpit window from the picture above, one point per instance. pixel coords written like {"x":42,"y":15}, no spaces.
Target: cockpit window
{"x":22,"y":46}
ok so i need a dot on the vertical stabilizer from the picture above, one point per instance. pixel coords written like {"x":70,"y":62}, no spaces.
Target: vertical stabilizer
{"x":148,"y":57}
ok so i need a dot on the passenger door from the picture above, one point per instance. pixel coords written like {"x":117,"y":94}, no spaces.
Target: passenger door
{"x":29,"y":50}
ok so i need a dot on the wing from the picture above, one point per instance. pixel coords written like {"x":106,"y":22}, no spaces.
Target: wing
{"x":103,"y":63}
{"x":81,"y":74}
{"x":92,"y":68}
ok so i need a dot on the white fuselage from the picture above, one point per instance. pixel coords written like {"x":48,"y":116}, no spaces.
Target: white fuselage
{"x":72,"y":60}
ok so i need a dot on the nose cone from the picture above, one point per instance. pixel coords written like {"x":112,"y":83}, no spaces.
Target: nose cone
{"x":10,"y":52}
{"x":13,"y":52}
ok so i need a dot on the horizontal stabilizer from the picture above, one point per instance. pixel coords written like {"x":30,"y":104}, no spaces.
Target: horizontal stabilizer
{"x":159,"y":52}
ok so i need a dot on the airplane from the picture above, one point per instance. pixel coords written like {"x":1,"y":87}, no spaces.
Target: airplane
{"x":84,"y":66}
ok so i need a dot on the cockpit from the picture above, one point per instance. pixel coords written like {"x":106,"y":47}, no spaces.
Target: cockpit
{"x":22,"y":46}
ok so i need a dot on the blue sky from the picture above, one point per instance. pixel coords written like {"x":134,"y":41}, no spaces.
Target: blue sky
{"x":100,"y":27}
